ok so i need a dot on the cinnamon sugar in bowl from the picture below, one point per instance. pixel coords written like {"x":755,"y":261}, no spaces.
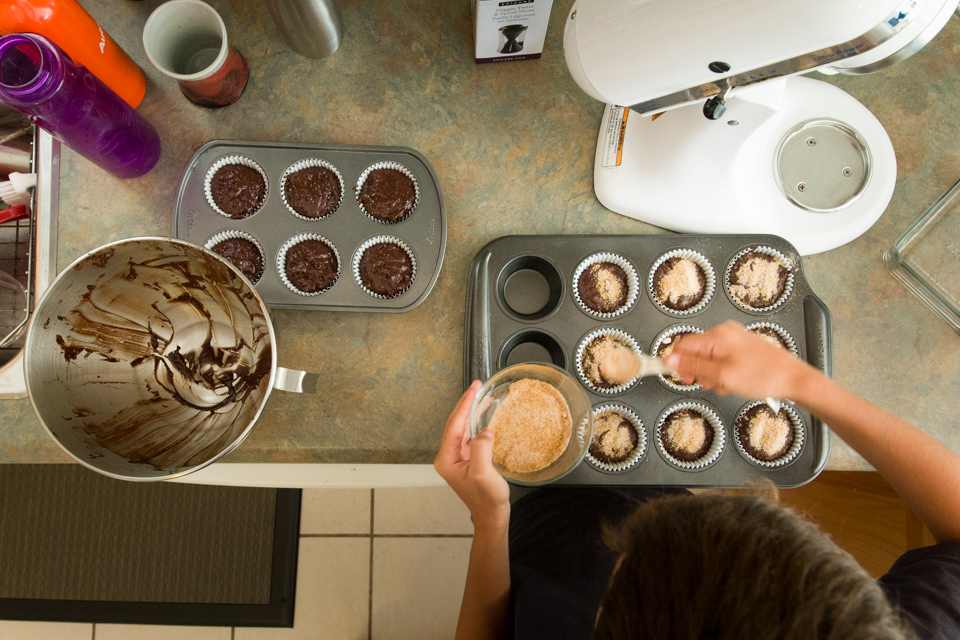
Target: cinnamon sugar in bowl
{"x":541,"y":419}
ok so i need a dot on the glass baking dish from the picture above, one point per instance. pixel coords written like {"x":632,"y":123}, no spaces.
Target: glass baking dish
{"x":927,"y":257}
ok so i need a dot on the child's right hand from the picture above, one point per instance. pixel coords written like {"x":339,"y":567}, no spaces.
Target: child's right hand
{"x":730,"y":359}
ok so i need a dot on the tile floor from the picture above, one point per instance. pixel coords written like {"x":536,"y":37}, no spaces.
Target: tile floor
{"x":377,"y":564}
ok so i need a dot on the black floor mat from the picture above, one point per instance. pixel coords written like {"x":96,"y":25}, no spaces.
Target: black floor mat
{"x":77,"y":546}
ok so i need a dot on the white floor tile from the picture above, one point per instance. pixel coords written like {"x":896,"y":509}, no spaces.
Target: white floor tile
{"x":335,"y":511}
{"x":417,"y":586}
{"x":14,"y":629}
{"x":333,"y":593}
{"x":160,"y":632}
{"x":426,"y":510}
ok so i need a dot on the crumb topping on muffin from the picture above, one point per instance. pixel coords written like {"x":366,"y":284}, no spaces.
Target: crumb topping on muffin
{"x":603,"y":287}
{"x":594,"y":353}
{"x":758,"y":280}
{"x":614,"y":437}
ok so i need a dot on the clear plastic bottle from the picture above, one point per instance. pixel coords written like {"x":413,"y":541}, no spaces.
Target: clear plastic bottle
{"x":72,"y":104}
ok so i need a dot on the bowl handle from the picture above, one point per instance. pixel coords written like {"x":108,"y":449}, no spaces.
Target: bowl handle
{"x":295,"y":381}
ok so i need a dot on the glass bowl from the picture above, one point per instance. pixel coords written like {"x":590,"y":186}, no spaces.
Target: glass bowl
{"x":493,"y":392}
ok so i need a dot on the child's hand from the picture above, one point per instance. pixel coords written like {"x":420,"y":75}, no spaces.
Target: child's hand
{"x":467,"y":466}
{"x":729,"y":359}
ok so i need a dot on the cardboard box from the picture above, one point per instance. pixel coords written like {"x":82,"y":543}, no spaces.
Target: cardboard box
{"x":507,"y":30}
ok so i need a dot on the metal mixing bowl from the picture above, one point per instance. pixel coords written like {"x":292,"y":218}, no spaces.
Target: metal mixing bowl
{"x":149,"y":358}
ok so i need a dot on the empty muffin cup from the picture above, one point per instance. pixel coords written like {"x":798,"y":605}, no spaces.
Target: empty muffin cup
{"x":529,"y":288}
{"x":588,"y":361}
{"x":387,"y":199}
{"x":758,"y":285}
{"x":715,"y":449}
{"x":679,"y":307}
{"x":384,"y":273}
{"x":639,"y":449}
{"x":770,"y":329}
{"x":240,"y":249}
{"x":793,"y":450}
{"x":664,"y":341}
{"x":245,"y":199}
{"x":608,"y":288}
{"x":309,"y":264}
{"x":311,"y":198}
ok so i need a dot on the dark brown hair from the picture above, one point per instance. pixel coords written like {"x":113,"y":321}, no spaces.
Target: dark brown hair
{"x":739,"y":567}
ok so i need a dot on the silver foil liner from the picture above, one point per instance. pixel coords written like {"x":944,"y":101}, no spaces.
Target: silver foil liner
{"x":388,"y":165}
{"x":377,"y":240}
{"x":667,"y":333}
{"x":303,"y":164}
{"x":719,"y":436}
{"x":787,"y":288}
{"x":633,"y":284}
{"x":787,"y":338}
{"x":631,"y":344}
{"x":235,"y":159}
{"x":230,"y":234}
{"x":798,"y":436}
{"x":709,"y":285}
{"x":639,"y":451}
{"x":282,"y":262}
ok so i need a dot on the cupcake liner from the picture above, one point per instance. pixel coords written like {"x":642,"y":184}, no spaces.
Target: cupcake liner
{"x":633,"y":284}
{"x":638,"y":452}
{"x":787,"y":288}
{"x":709,"y":285}
{"x":282,"y":261}
{"x":792,"y":452}
{"x":229,"y":234}
{"x":235,"y":159}
{"x":719,"y":436}
{"x":303,"y":164}
{"x":787,"y":338}
{"x":666,"y":333}
{"x":627,"y":339}
{"x":389,"y":165}
{"x":377,"y":240}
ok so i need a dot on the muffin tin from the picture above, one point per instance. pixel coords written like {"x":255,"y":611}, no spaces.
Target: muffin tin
{"x":424,"y":230}
{"x":521,"y":307}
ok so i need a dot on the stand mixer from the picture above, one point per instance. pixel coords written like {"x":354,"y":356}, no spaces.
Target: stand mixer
{"x":710,"y":129}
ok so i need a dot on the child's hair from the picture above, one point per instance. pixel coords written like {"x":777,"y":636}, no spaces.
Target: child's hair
{"x":739,"y":567}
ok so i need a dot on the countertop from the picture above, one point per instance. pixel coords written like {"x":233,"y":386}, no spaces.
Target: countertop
{"x":513,"y":147}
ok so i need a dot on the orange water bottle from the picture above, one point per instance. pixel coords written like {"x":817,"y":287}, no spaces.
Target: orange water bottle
{"x":78,"y":34}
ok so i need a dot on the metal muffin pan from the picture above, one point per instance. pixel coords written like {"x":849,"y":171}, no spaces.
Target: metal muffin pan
{"x":520,"y":307}
{"x":425,"y":230}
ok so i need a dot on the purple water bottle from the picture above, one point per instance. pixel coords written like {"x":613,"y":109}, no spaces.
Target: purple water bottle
{"x":72,"y":104}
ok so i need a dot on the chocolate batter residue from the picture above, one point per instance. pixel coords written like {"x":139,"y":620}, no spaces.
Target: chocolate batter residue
{"x":244,"y":255}
{"x":184,"y":359}
{"x":386,"y":269}
{"x":311,"y":266}
{"x":388,"y":195}
{"x":603,"y":287}
{"x":313,"y":192}
{"x":238,"y":190}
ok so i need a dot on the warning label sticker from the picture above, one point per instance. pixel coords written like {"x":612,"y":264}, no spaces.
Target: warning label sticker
{"x":613,"y":137}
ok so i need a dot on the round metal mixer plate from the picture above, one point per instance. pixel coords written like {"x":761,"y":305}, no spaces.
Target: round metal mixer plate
{"x":822,"y":165}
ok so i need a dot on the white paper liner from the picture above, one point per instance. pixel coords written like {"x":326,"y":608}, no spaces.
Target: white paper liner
{"x":787,"y":338}
{"x":639,"y":451}
{"x":709,"y":285}
{"x":719,"y":436}
{"x":787,"y":287}
{"x":282,"y":261}
{"x":389,"y":165}
{"x":235,"y":159}
{"x":627,"y":339}
{"x":377,"y":240}
{"x":666,"y":333}
{"x":303,"y":164}
{"x":229,"y":234}
{"x":791,"y":453}
{"x":633,"y":284}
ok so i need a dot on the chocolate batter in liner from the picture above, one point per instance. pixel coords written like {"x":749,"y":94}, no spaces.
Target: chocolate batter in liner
{"x":385,"y":267}
{"x":309,"y":264}
{"x":591,"y":294}
{"x":713,"y":451}
{"x":686,"y":305}
{"x":241,"y":250}
{"x":312,"y":189}
{"x":585,"y":360}
{"x":236,"y":187}
{"x":769,"y":330}
{"x":661,"y":348}
{"x":388,"y":192}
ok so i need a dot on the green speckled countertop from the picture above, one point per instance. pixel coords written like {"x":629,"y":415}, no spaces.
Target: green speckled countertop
{"x":513,"y":147}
